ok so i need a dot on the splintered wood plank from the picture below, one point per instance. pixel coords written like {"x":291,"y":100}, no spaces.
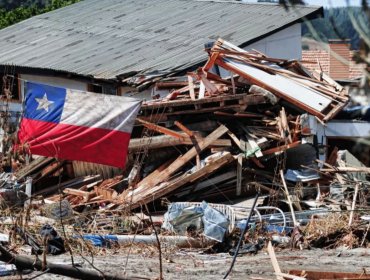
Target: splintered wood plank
{"x":235,"y":139}
{"x":285,"y":126}
{"x":108,"y":194}
{"x":162,"y":141}
{"x":184,"y":159}
{"x":211,"y":61}
{"x":154,"y":174}
{"x":160,"y":129}
{"x":202,"y":90}
{"x":142,"y":196}
{"x":323,"y":275}
{"x":288,"y":197}
{"x":346,"y":169}
{"x":353,"y":206}
{"x":289,"y":276}
{"x":334,"y":111}
{"x":256,"y":162}
{"x":239,"y":173}
{"x":211,"y":88}
{"x":333,"y":156}
{"x":281,"y":148}
{"x":80,"y":193}
{"x":327,"y":79}
{"x":184,"y":129}
{"x":206,"y":110}
{"x":274,"y":261}
{"x":191,"y":88}
{"x":75,"y":192}
{"x":250,"y":99}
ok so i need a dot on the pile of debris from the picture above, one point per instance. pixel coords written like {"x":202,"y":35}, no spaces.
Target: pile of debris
{"x":238,"y":126}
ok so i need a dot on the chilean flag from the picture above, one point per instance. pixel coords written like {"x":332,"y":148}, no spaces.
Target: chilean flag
{"x":77,"y":125}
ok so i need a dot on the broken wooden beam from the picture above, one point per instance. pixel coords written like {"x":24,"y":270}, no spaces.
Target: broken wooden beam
{"x":73,"y":183}
{"x":281,"y":148}
{"x":184,"y":129}
{"x":191,"y":87}
{"x":162,"y":141}
{"x":346,"y":169}
{"x":184,"y":159}
{"x":239,"y":173}
{"x":353,"y":206}
{"x":323,"y":275}
{"x":86,"y":195}
{"x":160,"y":129}
{"x":274,"y":261}
{"x":247,"y":98}
{"x":288,"y":197}
{"x":144,"y":195}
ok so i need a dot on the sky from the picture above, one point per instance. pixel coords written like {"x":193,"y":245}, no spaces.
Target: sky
{"x":327,"y":3}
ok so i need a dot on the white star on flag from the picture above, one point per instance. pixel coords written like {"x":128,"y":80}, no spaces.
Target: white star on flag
{"x":44,"y":103}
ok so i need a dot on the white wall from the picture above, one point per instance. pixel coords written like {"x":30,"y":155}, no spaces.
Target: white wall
{"x":53,"y":81}
{"x":283,"y":44}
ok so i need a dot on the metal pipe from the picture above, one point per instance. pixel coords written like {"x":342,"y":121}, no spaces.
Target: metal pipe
{"x":178,"y":241}
{"x":274,"y":208}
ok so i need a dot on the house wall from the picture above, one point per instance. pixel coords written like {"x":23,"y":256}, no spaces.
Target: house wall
{"x":283,"y":44}
{"x":53,"y":81}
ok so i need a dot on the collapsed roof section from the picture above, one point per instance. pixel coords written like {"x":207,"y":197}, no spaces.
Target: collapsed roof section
{"x":322,"y":98}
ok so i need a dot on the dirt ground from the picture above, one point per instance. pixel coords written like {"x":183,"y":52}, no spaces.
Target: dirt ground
{"x":191,"y":264}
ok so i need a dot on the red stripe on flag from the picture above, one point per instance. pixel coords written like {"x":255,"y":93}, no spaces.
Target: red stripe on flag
{"x":71,"y":142}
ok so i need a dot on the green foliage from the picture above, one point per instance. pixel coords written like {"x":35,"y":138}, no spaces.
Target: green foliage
{"x":336,"y":24}
{"x":13,"y":11}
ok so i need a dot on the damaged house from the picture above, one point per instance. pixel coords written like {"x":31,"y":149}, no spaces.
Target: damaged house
{"x":134,"y":51}
{"x":227,"y":124}
{"x":123,"y":47}
{"x":120,"y":47}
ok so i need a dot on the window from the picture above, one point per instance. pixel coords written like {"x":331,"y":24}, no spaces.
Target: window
{"x":106,"y":88}
{"x":94,"y":88}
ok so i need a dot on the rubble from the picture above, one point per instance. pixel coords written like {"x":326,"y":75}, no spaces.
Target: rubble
{"x":236,"y":127}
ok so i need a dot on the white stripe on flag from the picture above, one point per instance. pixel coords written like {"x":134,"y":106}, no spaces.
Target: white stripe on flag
{"x":99,"y":110}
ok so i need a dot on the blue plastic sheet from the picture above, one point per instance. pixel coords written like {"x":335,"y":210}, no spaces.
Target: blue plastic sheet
{"x":100,"y":240}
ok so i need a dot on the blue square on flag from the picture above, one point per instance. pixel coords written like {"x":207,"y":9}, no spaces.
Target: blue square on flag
{"x":44,"y":103}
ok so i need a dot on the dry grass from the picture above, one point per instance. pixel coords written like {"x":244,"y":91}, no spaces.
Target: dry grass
{"x":327,"y":225}
{"x":71,"y":230}
{"x":331,"y":231}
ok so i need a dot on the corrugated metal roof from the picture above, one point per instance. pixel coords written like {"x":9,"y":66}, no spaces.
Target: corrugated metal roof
{"x":107,"y":38}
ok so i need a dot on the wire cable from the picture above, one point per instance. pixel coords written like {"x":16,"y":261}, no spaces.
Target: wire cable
{"x":242,"y":236}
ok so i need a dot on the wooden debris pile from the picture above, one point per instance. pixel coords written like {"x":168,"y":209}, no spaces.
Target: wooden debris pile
{"x":221,"y":133}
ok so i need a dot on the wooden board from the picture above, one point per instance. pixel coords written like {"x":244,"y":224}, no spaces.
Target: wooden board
{"x":323,"y":275}
{"x":181,"y":161}
{"x":134,"y":199}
